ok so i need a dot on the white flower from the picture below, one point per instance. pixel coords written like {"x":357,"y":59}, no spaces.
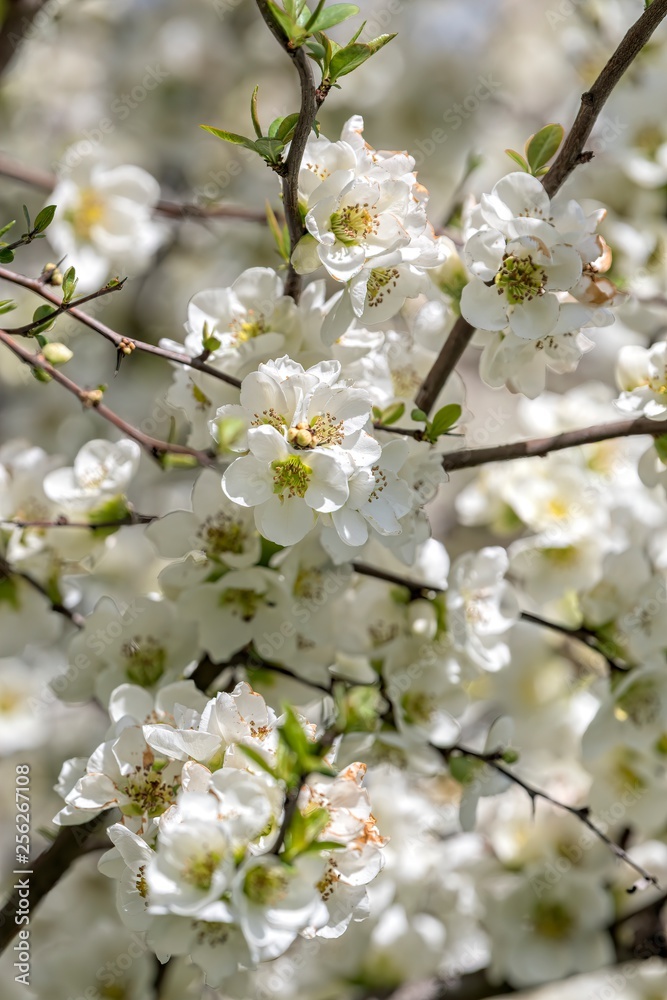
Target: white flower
{"x":221,"y":531}
{"x":210,"y":938}
{"x":144,"y":642}
{"x":252,"y":319}
{"x":102,"y":470}
{"x":127,"y":862}
{"x":123,"y":772}
{"x":104,"y":221}
{"x":481,"y":606}
{"x":237,"y":608}
{"x":305,"y":439}
{"x":275,"y":901}
{"x":194,"y":862}
{"x":642,"y":375}
{"x":521,"y":255}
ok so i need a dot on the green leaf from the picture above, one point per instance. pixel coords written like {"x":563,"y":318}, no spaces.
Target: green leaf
{"x":253,"y":113}
{"x":6,"y":306}
{"x":286,"y":22}
{"x":392,"y":413}
{"x":258,"y":759}
{"x":44,"y":219}
{"x":6,"y":256}
{"x":287,"y":127}
{"x":354,"y":54}
{"x":280,"y":235}
{"x":464,"y":769}
{"x":42,"y":316}
{"x":518,"y":158}
{"x":543,"y":145}
{"x":270,"y":149}
{"x":661,"y":448}
{"x":274,"y":126}
{"x":5,"y":229}
{"x":443,"y":420}
{"x":69,"y":284}
{"x":26,"y":216}
{"x":303,"y":831}
{"x":211,"y":344}
{"x":294,"y":736}
{"x":238,"y":140}
{"x":335,"y":14}
{"x":419,"y":416}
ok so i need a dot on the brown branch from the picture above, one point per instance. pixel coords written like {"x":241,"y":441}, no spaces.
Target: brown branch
{"x":582,"y":635}
{"x":594,"y":99}
{"x":7,"y":570}
{"x":582,"y":813}
{"x":311,"y":100}
{"x":91,"y":399}
{"x":17,"y":22}
{"x":539,"y":447}
{"x":115,"y":338}
{"x":34,"y":177}
{"x":63,"y":522}
{"x":569,"y":156}
{"x":70,"y":843}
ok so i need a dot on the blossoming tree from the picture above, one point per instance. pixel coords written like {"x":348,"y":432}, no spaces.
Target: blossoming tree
{"x":323,"y":759}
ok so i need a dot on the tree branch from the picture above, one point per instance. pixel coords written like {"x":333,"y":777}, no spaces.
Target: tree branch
{"x":582,"y":813}
{"x":18,"y":19}
{"x":569,"y":156}
{"x":539,"y":447}
{"x":311,"y":100}
{"x":117,"y":339}
{"x":594,"y":99}
{"x":92,"y":399}
{"x":7,"y":570}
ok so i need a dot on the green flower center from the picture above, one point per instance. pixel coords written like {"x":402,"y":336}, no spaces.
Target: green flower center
{"x":639,"y":703}
{"x":323,"y":429}
{"x":291,"y":476}
{"x":145,"y":660}
{"x":552,"y":920}
{"x":265,"y":886}
{"x":417,"y":707}
{"x":222,"y":534}
{"x":352,"y":224}
{"x":199,"y":871}
{"x":520,"y":279}
{"x":241,"y":602}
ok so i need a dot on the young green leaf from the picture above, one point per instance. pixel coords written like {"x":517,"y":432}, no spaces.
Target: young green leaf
{"x":42,"y":316}
{"x":661,"y":448}
{"x":69,"y":284}
{"x":5,"y":229}
{"x":270,"y":149}
{"x":443,"y":420}
{"x":254,"y":113}
{"x":518,"y":158}
{"x":287,"y":127}
{"x":419,"y":415}
{"x":392,"y":414}
{"x":26,"y":216}
{"x":333,"y":15}
{"x":304,"y":831}
{"x":238,"y":140}
{"x":286,"y":20}
{"x":277,"y":232}
{"x":6,"y":256}
{"x":6,"y":306}
{"x":543,"y":145}
{"x":44,"y":219}
{"x":354,"y":55}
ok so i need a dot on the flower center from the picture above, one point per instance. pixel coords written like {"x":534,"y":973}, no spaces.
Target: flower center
{"x":88,"y":213}
{"x":552,"y":920}
{"x":640,"y":703}
{"x":380,"y":283}
{"x":265,"y":886}
{"x":291,"y":476}
{"x":199,"y":871}
{"x":249,"y":328}
{"x":222,"y":534}
{"x":242,"y":603}
{"x":352,"y":224}
{"x":149,"y":794}
{"x":520,"y":279}
{"x":145,"y":660}
{"x":417,"y":707}
{"x":322,"y":430}
{"x":140,"y":883}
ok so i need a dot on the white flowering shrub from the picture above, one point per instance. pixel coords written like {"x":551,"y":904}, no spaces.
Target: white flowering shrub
{"x":324,"y":670}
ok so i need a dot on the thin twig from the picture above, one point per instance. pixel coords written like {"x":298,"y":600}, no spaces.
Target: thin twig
{"x":311,"y":99}
{"x":582,"y":813}
{"x":63,"y":522}
{"x":65,"y":307}
{"x":470,"y":458}
{"x":117,"y":339}
{"x":91,"y":399}
{"x":7,"y":570}
{"x":34,"y":177}
{"x":583,"y":635}
{"x":18,"y":16}
{"x":570,"y":155}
